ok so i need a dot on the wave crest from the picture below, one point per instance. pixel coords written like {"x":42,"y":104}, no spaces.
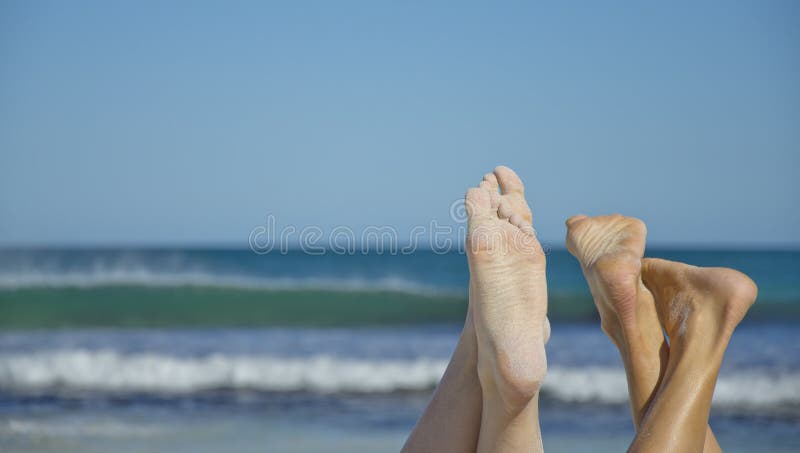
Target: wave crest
{"x":64,"y":371}
{"x":147,"y":278}
{"x":110,"y":371}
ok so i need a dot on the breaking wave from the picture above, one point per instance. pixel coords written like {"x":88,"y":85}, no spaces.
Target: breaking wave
{"x":148,"y":278}
{"x":108,"y":371}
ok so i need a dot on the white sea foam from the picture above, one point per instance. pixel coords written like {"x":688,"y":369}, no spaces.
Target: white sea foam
{"x":755,"y":389}
{"x":110,"y":371}
{"x":109,"y":276}
{"x":79,"y":429}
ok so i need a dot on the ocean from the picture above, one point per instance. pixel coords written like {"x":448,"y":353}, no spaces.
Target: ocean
{"x":204,"y":350}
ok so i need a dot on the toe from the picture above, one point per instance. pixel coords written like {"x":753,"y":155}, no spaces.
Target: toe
{"x":491,"y":180}
{"x":477,"y":201}
{"x":494,"y":196}
{"x":504,"y":210}
{"x":651,"y":267}
{"x":487,"y":186}
{"x":508,"y":181}
{"x":575,"y":219}
{"x":658,"y":274}
{"x":517,"y":220}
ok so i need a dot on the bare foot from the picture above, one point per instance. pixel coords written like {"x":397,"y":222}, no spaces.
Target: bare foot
{"x":509,"y":290}
{"x":699,"y":309}
{"x":610,"y":249}
{"x":696,"y":305}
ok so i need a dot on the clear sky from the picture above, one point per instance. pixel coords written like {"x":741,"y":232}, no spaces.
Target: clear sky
{"x":188,"y":122}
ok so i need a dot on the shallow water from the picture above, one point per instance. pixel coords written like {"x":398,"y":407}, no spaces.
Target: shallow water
{"x":179,"y":350}
{"x":339,"y":389}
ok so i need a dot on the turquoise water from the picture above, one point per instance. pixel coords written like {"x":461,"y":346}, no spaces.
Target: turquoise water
{"x":204,"y":350}
{"x":62,"y":288}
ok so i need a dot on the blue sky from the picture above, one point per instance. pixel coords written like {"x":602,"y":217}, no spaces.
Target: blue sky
{"x":188,"y":122}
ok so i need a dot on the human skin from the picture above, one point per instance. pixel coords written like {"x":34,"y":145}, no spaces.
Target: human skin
{"x":699,"y":309}
{"x":610,"y":249}
{"x":488,"y":398}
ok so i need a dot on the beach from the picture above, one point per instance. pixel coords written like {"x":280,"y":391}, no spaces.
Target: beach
{"x":203,"y":350}
{"x":245,"y":226}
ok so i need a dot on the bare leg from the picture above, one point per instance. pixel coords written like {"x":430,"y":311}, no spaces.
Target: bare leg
{"x":699,"y":309}
{"x":452,"y":420}
{"x":610,"y":249}
{"x":507,"y":270}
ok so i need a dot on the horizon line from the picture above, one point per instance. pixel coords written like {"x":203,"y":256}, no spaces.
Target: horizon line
{"x":230,"y":246}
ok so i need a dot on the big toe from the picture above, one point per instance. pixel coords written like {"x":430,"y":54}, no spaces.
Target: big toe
{"x":508,"y":180}
{"x":575,"y":220}
{"x":512,"y":194}
{"x":661,"y":275}
{"x":572,"y":232}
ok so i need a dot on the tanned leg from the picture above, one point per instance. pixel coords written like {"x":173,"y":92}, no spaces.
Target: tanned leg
{"x":610,"y":249}
{"x":699,"y":309}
